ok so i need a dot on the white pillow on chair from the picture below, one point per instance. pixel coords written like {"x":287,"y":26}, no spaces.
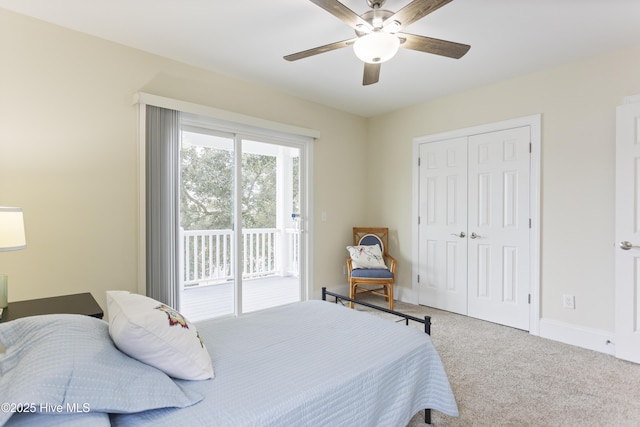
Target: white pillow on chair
{"x":366,"y":256}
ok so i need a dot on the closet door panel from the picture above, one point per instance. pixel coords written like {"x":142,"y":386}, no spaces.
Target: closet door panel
{"x":443,"y":223}
{"x":498,"y":212}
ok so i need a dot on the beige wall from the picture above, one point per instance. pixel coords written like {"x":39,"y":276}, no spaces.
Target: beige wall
{"x":68,"y":155}
{"x":577,"y":102}
{"x":68,"y":144}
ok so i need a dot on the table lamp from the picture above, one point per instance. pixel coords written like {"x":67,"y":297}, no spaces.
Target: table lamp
{"x":11,"y":239}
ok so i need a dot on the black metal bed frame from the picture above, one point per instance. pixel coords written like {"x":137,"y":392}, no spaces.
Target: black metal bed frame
{"x":426,"y":321}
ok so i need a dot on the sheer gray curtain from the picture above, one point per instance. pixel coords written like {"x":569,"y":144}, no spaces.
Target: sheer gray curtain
{"x":162,"y":204}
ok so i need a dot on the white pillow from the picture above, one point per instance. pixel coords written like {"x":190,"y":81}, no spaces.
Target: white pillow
{"x":366,"y":256}
{"x":157,"y":335}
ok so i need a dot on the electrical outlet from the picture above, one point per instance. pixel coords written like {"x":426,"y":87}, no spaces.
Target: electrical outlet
{"x":569,"y":301}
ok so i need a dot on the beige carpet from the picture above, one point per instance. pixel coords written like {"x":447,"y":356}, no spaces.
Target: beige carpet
{"x":506,"y":377}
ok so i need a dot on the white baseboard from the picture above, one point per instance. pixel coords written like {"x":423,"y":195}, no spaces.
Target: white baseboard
{"x":592,"y":339}
{"x":407,"y":295}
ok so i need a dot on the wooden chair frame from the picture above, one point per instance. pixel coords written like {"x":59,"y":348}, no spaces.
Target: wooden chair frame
{"x":382,"y":286}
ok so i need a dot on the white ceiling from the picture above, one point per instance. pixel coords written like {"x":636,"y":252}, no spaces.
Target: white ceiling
{"x":248,"y":38}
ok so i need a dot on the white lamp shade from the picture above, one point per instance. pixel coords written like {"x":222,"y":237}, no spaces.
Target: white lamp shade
{"x":376,"y":47}
{"x":11,"y":229}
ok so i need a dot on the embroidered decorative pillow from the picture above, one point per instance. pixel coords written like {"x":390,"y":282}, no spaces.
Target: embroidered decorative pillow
{"x":366,"y":256}
{"x":157,"y":335}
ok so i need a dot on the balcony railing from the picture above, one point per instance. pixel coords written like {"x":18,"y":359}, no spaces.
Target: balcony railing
{"x":208,"y":255}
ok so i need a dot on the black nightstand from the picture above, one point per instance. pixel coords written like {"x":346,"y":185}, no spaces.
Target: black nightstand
{"x":72,"y":304}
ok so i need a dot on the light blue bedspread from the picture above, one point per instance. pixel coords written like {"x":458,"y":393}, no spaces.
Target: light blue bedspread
{"x":310,"y":364}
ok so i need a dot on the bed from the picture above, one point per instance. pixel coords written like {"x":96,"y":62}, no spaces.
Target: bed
{"x":308,"y":363}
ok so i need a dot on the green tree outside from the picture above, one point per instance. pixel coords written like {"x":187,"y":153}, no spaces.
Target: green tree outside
{"x":207,"y":185}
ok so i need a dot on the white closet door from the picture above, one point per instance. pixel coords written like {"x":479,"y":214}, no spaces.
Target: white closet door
{"x":498,"y":230}
{"x":443,"y":225}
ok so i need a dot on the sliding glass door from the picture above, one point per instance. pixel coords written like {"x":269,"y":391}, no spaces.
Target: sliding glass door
{"x":240,"y":213}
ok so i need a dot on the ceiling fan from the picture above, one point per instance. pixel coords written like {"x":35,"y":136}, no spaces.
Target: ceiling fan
{"x":378,"y":35}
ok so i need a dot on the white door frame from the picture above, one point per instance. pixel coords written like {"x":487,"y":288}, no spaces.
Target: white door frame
{"x":535,"y":123}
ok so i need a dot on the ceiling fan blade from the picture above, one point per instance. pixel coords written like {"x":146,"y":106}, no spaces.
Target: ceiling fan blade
{"x":414,"y":11}
{"x":319,"y":49}
{"x":342,"y":12}
{"x":431,"y":45}
{"x":371,"y":74}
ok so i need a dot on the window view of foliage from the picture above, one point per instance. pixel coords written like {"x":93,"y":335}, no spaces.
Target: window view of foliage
{"x":258,"y":191}
{"x":207,"y":185}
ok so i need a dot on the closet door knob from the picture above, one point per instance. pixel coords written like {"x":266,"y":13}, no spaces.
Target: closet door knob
{"x":474,"y":235}
{"x":461,"y":235}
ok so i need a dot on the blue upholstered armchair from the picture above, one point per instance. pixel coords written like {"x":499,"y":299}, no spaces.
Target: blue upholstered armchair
{"x":370,"y":268}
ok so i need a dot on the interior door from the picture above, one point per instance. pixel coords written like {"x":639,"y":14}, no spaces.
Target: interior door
{"x":499,"y":227}
{"x":473,"y":235}
{"x":628,"y":232}
{"x":443,"y":225}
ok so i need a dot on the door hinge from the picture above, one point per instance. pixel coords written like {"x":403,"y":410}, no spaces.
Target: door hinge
{"x":418,"y":278}
{"x":529,"y":222}
{"x":530,"y":147}
{"x":418,"y":161}
{"x":418,"y":220}
{"x":529,"y":298}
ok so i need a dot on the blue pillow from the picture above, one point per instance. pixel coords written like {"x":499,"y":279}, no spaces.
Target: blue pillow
{"x":70,"y":360}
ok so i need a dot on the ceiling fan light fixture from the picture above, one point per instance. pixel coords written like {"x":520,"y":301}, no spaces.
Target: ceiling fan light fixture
{"x":376,"y":47}
{"x":366,"y":29}
{"x":392,"y":27}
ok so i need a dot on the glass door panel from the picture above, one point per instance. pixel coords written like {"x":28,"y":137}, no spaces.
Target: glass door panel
{"x":206,"y":224}
{"x":270,"y":243}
